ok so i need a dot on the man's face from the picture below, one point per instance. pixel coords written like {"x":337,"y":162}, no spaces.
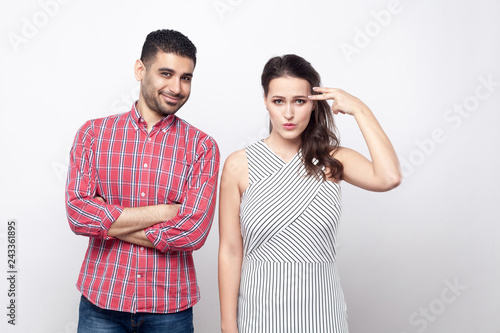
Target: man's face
{"x":165,"y":82}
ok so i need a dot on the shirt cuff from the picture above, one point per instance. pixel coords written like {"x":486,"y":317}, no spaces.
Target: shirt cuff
{"x":157,"y":237}
{"x":110,"y":216}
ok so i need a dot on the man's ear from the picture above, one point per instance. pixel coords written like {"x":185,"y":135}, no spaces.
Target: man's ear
{"x":139,"y":70}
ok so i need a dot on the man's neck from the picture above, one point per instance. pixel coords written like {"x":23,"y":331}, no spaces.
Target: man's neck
{"x":149,"y":116}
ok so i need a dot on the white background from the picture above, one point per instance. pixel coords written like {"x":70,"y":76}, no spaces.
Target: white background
{"x":68,"y":61}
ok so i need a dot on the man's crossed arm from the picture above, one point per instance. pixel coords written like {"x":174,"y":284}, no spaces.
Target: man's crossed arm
{"x":130,"y":225}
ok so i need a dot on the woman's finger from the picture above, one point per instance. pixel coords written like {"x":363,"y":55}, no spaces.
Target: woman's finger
{"x":324,"y":89}
{"x":320,"y":97}
{"x":324,"y":93}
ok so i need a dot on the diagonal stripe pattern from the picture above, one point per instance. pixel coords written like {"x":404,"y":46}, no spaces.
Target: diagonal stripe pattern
{"x":289,"y":281}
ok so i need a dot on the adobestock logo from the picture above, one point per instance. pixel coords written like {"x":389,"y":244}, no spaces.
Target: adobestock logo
{"x":224,"y":6}
{"x":30,"y":27}
{"x":60,"y":170}
{"x":124,"y":103}
{"x":263,"y":133}
{"x":363,"y":37}
{"x":71,"y":327}
{"x":422,"y":318}
{"x":454,"y":116}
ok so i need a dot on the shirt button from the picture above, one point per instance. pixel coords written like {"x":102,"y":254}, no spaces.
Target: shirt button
{"x":143,"y":194}
{"x":145,"y":165}
{"x":149,"y":139}
{"x":139,"y":276}
{"x":142,"y":248}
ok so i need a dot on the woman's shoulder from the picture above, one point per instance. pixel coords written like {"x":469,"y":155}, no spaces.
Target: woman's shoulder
{"x":240,"y":156}
{"x":235,"y":172}
{"x":236,"y":162}
{"x":237,"y":156}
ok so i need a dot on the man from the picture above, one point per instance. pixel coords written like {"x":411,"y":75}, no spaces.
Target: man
{"x":142,"y":186}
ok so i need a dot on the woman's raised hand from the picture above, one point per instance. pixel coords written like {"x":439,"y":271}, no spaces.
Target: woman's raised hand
{"x":342,"y":101}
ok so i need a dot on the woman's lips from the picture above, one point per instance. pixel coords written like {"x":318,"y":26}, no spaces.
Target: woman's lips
{"x":289,"y":126}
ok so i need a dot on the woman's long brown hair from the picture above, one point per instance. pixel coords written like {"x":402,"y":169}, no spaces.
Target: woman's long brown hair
{"x":319,"y":141}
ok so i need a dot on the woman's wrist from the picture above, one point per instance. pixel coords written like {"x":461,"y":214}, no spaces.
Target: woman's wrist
{"x":231,"y":328}
{"x":362,"y":111}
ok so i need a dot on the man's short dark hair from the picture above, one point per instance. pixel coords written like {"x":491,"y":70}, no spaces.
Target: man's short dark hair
{"x":168,"y":41}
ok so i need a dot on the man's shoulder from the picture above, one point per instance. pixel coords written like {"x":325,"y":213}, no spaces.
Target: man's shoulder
{"x":194,"y":133}
{"x":105,"y":122}
{"x":109,"y":120}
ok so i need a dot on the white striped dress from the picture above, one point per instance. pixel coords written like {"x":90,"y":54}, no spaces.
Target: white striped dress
{"x":289,"y":280}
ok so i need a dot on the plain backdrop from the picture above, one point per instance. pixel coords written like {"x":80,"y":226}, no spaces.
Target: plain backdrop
{"x":424,"y":257}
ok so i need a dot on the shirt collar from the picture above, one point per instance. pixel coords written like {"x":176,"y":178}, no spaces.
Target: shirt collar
{"x":138,"y":121}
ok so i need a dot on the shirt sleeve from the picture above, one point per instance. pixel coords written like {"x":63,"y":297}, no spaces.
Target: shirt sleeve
{"x":189,"y":229}
{"x":86,"y":215}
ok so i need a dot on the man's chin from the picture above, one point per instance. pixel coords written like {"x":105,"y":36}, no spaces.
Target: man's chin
{"x":169,"y":112}
{"x":170,"y":108}
{"x":166,"y":112}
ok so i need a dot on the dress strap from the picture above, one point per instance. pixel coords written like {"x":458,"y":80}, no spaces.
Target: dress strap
{"x":261,"y":161}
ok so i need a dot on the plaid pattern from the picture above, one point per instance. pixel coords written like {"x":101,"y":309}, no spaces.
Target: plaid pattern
{"x":115,"y":158}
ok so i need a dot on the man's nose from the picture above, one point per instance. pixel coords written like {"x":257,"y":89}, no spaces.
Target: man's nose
{"x":175,"y":86}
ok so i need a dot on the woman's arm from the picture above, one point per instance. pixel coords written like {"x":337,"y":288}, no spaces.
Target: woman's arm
{"x":233,"y":182}
{"x":383,"y":172}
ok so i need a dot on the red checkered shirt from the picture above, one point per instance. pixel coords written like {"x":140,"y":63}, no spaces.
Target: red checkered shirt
{"x":116,"y":158}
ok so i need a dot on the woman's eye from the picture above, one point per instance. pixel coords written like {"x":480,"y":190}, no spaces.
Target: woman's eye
{"x":301,"y":101}
{"x":278,"y":101}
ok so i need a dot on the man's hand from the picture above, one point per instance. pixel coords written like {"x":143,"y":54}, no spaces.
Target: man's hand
{"x":138,"y":238}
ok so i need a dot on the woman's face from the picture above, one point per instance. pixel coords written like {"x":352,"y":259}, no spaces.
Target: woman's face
{"x":288,"y":106}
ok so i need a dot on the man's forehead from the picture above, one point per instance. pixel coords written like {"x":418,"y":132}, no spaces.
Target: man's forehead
{"x":173,"y":61}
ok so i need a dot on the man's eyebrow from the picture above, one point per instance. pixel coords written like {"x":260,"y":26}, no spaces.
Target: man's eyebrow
{"x":165,"y":69}
{"x":170,"y":70}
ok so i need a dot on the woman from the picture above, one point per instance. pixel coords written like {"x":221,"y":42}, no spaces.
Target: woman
{"x":280,"y":206}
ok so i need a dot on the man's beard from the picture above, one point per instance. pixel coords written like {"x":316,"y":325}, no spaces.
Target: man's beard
{"x":156,"y":106}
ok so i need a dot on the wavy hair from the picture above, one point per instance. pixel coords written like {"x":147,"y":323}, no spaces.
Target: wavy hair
{"x":319,"y":139}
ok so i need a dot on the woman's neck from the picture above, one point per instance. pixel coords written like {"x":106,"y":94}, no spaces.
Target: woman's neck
{"x":285,"y":149}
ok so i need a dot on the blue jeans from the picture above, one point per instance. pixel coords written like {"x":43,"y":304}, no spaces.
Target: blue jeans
{"x":93,"y":319}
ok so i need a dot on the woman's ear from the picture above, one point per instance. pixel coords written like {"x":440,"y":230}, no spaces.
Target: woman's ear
{"x":265,"y":101}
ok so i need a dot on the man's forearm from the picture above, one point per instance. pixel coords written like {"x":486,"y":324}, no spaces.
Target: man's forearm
{"x":139,"y":218}
{"x":138,"y":238}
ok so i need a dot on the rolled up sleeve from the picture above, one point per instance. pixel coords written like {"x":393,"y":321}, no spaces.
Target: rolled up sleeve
{"x":189,"y":229}
{"x":86,"y":215}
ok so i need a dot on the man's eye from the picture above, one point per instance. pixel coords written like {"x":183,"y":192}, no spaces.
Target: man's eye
{"x":166,"y":74}
{"x":186,"y":78}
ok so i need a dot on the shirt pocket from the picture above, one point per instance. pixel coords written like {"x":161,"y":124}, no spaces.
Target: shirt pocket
{"x":171,"y":180}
